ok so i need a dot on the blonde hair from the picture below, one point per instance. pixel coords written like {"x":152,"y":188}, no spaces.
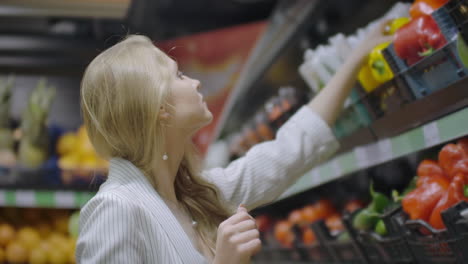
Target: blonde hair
{"x":122,"y":92}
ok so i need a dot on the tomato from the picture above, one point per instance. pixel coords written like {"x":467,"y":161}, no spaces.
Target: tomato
{"x":325,"y":208}
{"x":353,"y":205}
{"x":334,"y":223}
{"x":264,"y":223}
{"x":296,"y":218}
{"x":310,"y":214}
{"x":308,"y":236}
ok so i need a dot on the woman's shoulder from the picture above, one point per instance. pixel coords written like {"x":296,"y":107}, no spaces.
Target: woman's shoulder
{"x":114,"y":200}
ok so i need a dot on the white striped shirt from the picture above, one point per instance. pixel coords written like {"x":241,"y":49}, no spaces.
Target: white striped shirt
{"x":128,"y":222}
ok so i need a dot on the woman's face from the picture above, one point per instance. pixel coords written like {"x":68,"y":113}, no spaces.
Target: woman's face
{"x":190,"y":110}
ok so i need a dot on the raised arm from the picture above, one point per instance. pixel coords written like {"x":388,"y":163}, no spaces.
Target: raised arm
{"x":269,"y":168}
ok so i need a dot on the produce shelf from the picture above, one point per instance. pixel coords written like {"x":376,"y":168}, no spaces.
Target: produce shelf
{"x":44,"y":199}
{"x":444,"y":129}
{"x":74,"y":8}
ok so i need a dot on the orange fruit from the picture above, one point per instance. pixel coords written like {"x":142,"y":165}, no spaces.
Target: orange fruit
{"x":29,"y":237}
{"x":16,"y":253}
{"x":7,"y":234}
{"x":38,"y":256}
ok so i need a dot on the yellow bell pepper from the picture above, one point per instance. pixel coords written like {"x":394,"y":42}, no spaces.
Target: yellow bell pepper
{"x":368,"y":82}
{"x":395,"y":24}
{"x":379,"y":66}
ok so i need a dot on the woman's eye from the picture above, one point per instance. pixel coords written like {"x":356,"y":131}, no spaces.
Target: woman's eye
{"x":180,"y":74}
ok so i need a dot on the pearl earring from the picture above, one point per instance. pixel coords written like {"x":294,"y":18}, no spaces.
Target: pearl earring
{"x":165,"y":157}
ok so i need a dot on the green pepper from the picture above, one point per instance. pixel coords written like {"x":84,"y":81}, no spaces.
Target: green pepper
{"x":344,"y":237}
{"x":379,"y":67}
{"x":379,"y":201}
{"x":365,"y":219}
{"x":380,"y":228}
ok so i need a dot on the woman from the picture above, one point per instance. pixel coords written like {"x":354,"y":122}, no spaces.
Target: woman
{"x":156,"y":205}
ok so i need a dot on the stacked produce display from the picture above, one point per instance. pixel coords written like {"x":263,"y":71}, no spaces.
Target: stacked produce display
{"x":35,"y":153}
{"x":37,"y":236}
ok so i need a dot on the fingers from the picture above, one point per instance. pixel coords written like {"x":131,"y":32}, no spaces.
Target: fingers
{"x":245,"y":237}
{"x":252,"y":247}
{"x":245,"y":225}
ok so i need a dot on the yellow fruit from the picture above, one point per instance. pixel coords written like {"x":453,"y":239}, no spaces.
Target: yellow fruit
{"x":58,"y":257}
{"x":38,"y":256}
{"x":56,"y":239}
{"x":44,"y":229}
{"x":2,"y":255}
{"x":67,"y":143}
{"x":61,"y":224}
{"x":70,"y":246}
{"x":72,"y":259}
{"x":7,"y":234}
{"x":29,"y":237}
{"x":16,"y":253}
{"x":84,"y":145}
{"x":82,"y":133}
{"x":45,"y":246}
{"x":69,"y":162}
{"x":89,"y":162}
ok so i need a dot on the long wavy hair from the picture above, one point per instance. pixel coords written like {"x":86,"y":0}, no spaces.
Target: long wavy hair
{"x":122,"y":92}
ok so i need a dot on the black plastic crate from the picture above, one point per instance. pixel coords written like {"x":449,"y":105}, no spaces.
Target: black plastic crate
{"x":352,"y":251}
{"x":457,"y":226}
{"x":436,"y":71}
{"x":388,"y":98}
{"x":272,"y":254}
{"x":430,"y":246}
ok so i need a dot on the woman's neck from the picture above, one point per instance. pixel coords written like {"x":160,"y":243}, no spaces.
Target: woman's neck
{"x":166,"y":170}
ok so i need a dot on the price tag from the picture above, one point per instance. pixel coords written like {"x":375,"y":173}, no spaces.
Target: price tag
{"x":64,"y":199}
{"x":431,"y":134}
{"x":2,"y":198}
{"x":385,"y":150}
{"x":25,"y":198}
{"x":315,"y":177}
{"x":361,"y":157}
{"x":337,"y":172}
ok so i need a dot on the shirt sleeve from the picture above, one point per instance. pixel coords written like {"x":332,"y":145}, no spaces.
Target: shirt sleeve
{"x":269,"y":168}
{"x":109,"y":233}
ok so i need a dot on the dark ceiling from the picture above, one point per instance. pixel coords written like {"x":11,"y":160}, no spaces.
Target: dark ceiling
{"x":159,"y":19}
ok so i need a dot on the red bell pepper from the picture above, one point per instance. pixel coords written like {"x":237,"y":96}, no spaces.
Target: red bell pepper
{"x":425,"y":7}
{"x":428,"y":168}
{"x":417,"y":39}
{"x":419,"y":203}
{"x":454,"y":194}
{"x":463,"y":143}
{"x":449,"y":156}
